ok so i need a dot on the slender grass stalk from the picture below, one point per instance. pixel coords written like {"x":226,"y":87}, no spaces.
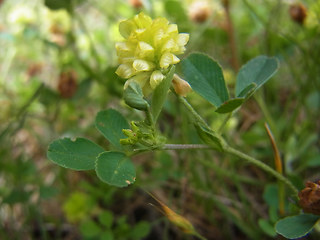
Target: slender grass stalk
{"x":19,"y":117}
{"x":266,"y":112}
{"x":199,"y":236}
{"x":231,"y":34}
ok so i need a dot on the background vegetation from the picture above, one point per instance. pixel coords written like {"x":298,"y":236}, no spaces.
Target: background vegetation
{"x":57,"y":64}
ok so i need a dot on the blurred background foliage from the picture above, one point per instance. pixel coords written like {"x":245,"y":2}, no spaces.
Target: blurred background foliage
{"x":57,"y":63}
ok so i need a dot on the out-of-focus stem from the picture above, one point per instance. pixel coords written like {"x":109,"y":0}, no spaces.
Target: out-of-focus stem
{"x":93,"y":48}
{"x":225,"y":121}
{"x":232,"y":40}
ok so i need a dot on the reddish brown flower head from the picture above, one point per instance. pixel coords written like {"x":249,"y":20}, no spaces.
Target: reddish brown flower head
{"x":67,"y":85}
{"x":34,"y":69}
{"x":136,"y":3}
{"x":309,"y":198}
{"x":298,"y":12}
{"x":56,"y":29}
{"x":199,"y":11}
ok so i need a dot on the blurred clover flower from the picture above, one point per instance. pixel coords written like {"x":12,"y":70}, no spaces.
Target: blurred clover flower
{"x":149,"y":49}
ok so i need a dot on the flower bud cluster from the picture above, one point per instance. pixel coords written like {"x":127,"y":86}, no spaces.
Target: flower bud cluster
{"x":149,"y":49}
{"x":141,"y":133}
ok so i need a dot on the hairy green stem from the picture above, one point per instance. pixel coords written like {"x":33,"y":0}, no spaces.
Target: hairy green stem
{"x":225,"y":121}
{"x":239,"y":154}
{"x":185,"y":146}
{"x":150,"y":117}
{"x":192,"y":111}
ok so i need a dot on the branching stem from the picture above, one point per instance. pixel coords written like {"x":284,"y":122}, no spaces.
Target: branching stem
{"x":185,"y":146}
{"x":235,"y":152}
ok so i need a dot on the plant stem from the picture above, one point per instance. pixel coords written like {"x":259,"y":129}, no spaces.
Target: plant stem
{"x":170,"y":147}
{"x":225,"y":121}
{"x":91,"y":40}
{"x":199,"y":236}
{"x":227,"y":173}
{"x":91,"y":72}
{"x":185,"y":146}
{"x":252,"y":10}
{"x":232,"y":41}
{"x":22,"y":111}
{"x":192,"y":111}
{"x":279,"y":169}
{"x":262,"y":166}
{"x":150,"y":117}
{"x":242,"y":155}
{"x":266,"y":113}
{"x":7,"y":63}
{"x":30,"y":100}
{"x":239,"y":154}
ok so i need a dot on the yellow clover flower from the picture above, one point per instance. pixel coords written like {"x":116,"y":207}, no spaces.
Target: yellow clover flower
{"x":149,"y":49}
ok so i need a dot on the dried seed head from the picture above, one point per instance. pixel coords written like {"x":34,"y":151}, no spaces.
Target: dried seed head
{"x":309,"y":198}
{"x":199,"y":11}
{"x":56,"y":29}
{"x":226,"y":3}
{"x":67,"y":85}
{"x":181,"y":222}
{"x":34,"y":69}
{"x":298,"y":12}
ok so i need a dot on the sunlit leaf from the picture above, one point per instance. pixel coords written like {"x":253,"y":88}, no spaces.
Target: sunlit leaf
{"x":206,"y":78}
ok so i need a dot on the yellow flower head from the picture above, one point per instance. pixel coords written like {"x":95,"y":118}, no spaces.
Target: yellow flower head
{"x":149,"y":48}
